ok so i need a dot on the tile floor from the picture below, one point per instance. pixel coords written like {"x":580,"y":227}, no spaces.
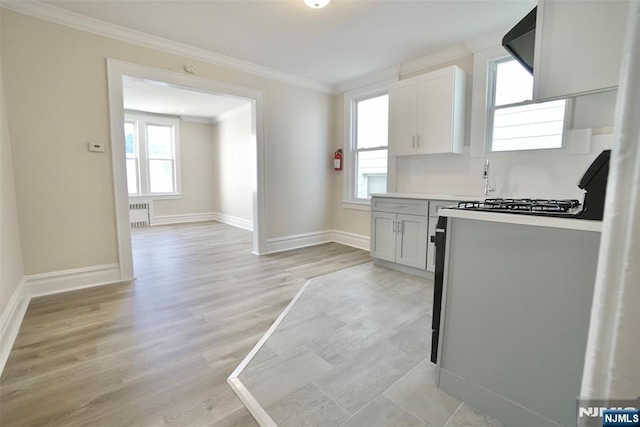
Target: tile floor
{"x":354,"y":351}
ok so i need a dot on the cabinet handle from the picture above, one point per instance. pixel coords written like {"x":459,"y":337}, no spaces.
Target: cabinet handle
{"x":394,"y":227}
{"x":400,"y":226}
{"x":413,"y":141}
{"x":418,"y":140}
{"x":398,"y":206}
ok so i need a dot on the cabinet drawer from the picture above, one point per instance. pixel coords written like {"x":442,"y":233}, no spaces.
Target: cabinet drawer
{"x":404,"y":206}
{"x":436,"y":205}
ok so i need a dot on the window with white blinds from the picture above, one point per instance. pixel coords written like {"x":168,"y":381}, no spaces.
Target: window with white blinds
{"x":515,"y":121}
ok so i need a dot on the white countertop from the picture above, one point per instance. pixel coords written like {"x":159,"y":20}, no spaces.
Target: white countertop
{"x":427,"y":196}
{"x":534,"y":220}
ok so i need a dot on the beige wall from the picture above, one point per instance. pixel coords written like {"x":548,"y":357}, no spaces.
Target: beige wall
{"x":348,"y":220}
{"x":298,"y":157}
{"x":11,"y":269}
{"x":56,"y":92}
{"x":197,"y":166}
{"x":235,"y":164}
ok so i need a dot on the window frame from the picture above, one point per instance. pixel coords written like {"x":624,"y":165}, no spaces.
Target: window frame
{"x":136,"y":157}
{"x":492,"y":76}
{"x":479,"y":132}
{"x":351,"y":99}
{"x":141,"y":121}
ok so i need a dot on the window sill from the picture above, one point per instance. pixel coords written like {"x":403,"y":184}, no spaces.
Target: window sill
{"x":359,"y":206}
{"x":157,"y":196}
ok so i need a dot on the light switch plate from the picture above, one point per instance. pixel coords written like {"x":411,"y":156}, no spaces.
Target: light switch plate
{"x":97,"y":147}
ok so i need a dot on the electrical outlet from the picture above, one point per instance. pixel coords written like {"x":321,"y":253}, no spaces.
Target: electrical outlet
{"x":96,"y":147}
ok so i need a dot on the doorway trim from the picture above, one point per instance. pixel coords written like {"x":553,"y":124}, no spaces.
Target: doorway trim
{"x":115,"y":71}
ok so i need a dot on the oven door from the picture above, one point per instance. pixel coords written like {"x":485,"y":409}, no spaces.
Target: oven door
{"x":440,"y":240}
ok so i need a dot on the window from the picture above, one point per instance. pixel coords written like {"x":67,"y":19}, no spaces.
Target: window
{"x":152,"y":155}
{"x":370,"y":122}
{"x":131,"y":148}
{"x":515,"y":121}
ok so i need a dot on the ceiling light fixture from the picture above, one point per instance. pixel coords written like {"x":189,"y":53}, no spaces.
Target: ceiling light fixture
{"x":317,"y":4}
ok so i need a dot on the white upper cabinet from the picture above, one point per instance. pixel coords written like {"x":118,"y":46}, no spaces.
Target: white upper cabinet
{"x":426,"y":113}
{"x":578,"y":47}
{"x":403,"y":117}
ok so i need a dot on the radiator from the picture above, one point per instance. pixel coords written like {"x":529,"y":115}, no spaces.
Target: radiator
{"x":140,"y":214}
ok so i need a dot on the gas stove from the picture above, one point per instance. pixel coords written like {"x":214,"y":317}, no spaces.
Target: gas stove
{"x":593,"y":182}
{"x":525,"y":206}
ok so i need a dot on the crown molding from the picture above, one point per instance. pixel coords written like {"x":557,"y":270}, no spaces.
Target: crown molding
{"x":434,"y":59}
{"x":224,"y":116}
{"x":485,"y":42}
{"x":199,"y":120}
{"x":388,"y":74}
{"x":95,"y":26}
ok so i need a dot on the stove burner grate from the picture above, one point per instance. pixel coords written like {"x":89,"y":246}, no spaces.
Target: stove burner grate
{"x":522,"y":205}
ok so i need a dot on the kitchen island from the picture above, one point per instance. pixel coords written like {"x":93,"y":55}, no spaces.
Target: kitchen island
{"x":516,"y":302}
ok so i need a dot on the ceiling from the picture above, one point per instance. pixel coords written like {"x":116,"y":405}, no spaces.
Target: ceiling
{"x":341,"y":42}
{"x":163,"y":98}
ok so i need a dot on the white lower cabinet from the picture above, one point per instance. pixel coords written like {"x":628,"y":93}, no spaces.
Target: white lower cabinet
{"x":401,"y":231}
{"x":383,"y":236}
{"x":399,"y":238}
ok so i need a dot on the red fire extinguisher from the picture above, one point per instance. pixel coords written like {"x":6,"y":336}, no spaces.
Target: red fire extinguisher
{"x":337,"y":160}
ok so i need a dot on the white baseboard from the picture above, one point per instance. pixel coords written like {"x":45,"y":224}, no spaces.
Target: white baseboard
{"x":210,"y":216}
{"x":351,"y":239}
{"x":35,"y":285}
{"x":11,"y":320}
{"x":234,"y":221}
{"x":297,"y":241}
{"x":287,"y":243}
{"x":70,"y":280}
{"x":179,"y":219}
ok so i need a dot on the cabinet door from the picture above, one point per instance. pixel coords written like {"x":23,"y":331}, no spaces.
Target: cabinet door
{"x":441,"y":99}
{"x":578,"y":47}
{"x":411,"y":243}
{"x":403,"y":117}
{"x":383,"y":236}
{"x":431,"y":246}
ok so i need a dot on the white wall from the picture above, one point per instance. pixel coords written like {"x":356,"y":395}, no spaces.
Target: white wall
{"x":57,"y":102}
{"x":235,"y":164}
{"x":526,"y":175}
{"x":197,"y":161}
{"x":11,"y":268}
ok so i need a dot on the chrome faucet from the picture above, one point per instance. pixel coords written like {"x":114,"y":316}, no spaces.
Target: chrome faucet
{"x":485,"y":176}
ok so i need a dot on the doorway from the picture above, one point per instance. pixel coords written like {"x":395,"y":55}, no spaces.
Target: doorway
{"x":119,"y":72}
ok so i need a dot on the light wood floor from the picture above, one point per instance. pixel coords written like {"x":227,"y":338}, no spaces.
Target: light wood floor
{"x":157,"y":351}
